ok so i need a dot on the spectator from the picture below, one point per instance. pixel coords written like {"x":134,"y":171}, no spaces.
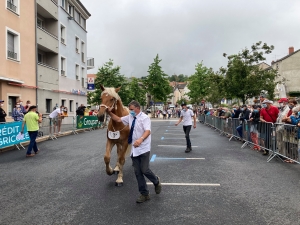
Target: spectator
{"x":55,"y":119}
{"x":80,"y":110}
{"x":28,"y":104}
{"x":17,"y":113}
{"x":245,"y":115}
{"x":226,"y":116}
{"x":169,"y":113}
{"x":237,"y":111}
{"x":32,"y":120}
{"x":286,"y":114}
{"x":2,"y":112}
{"x":262,"y":97}
{"x":64,"y":111}
{"x":255,"y":118}
{"x":91,"y":112}
{"x":268,"y":115}
{"x":164,"y":112}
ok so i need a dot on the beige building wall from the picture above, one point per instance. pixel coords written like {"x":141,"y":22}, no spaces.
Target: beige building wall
{"x":22,"y":70}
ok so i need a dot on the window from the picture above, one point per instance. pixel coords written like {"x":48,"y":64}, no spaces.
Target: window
{"x":40,"y":58}
{"x":82,"y":73}
{"x":71,"y":105}
{"x":77,"y":71}
{"x":40,"y":23}
{"x":71,"y":10}
{"x":13,"y":44}
{"x":63,"y":34}
{"x":63,"y":3}
{"x":63,"y":102}
{"x":77,"y":16}
{"x":82,"y":52}
{"x":82,"y":82}
{"x":13,"y":5}
{"x":48,"y":105}
{"x":83,"y":22}
{"x":63,"y":66}
{"x":76,"y":105}
{"x":12,"y":100}
{"x":77,"y":44}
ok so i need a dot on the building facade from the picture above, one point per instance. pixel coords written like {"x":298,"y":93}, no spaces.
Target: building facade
{"x":17,"y":53}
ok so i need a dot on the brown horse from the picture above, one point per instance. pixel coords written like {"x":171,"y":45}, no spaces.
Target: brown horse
{"x":117,"y":133}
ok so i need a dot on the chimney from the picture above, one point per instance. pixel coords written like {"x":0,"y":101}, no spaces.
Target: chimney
{"x":291,"y":50}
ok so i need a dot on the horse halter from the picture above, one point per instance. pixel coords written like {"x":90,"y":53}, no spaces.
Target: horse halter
{"x":114,"y":105}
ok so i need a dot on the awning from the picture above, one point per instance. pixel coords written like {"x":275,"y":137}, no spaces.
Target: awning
{"x":11,"y":80}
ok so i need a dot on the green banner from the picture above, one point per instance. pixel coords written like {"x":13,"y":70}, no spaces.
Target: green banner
{"x":87,"y":122}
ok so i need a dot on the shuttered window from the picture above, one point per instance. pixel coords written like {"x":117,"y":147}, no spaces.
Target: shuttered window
{"x":10,"y":42}
{"x":77,"y":16}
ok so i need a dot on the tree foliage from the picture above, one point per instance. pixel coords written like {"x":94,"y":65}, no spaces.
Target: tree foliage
{"x":244,"y":77}
{"x":109,"y":76}
{"x":156,"y":82}
{"x":137,"y":91}
{"x":178,"y":78}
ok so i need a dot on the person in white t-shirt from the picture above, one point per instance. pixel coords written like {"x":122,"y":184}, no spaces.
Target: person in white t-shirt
{"x":187,"y":115}
{"x":55,"y":118}
{"x":140,"y":150}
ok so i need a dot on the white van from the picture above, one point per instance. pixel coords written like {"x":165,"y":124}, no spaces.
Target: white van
{"x":151,"y":108}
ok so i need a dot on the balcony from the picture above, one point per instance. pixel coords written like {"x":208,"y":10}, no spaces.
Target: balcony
{"x":47,"y":76}
{"x":90,"y":63}
{"x":47,"y":40}
{"x":12,"y":55}
{"x":47,"y":8}
{"x":11,"y":6}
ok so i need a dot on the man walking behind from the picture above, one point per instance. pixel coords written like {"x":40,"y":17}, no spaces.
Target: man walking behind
{"x":187,"y":115}
{"x":32,"y":120}
{"x":140,"y":138}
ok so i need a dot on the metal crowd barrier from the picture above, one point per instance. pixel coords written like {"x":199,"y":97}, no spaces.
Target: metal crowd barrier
{"x":282,"y":140}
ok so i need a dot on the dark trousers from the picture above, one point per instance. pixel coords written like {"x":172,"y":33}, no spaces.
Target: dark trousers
{"x":141,"y":167}
{"x":187,"y":130}
{"x":32,"y":144}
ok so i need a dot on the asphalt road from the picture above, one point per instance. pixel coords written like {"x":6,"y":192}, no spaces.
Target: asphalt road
{"x":67,"y":184}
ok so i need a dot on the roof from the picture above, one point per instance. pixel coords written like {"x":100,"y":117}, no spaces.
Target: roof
{"x":287,"y":56}
{"x":79,"y":2}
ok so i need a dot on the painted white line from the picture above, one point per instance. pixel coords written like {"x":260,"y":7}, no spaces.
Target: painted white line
{"x":177,"y":138}
{"x":175,"y":146}
{"x":163,"y":120}
{"x":190,"y":184}
{"x":182,"y":134}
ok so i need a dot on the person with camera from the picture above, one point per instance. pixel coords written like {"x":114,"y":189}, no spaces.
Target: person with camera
{"x":32,"y":119}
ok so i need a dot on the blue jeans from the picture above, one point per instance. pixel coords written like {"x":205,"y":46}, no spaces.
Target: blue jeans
{"x":141,"y":167}
{"x":32,"y":144}
{"x":239,"y":129}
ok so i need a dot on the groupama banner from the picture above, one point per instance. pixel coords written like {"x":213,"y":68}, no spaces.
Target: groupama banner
{"x":86,"y":122}
{"x":9,"y":132}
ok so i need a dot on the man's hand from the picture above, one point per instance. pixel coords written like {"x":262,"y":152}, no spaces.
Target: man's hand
{"x":176,"y":124}
{"x":137,"y":143}
{"x":194,"y":126}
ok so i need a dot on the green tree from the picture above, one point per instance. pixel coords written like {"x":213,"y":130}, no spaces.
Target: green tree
{"x":137,"y":91}
{"x":244,"y":77}
{"x":216,"y":88}
{"x":178,"y":78}
{"x":109,"y":76}
{"x":199,"y":83}
{"x":157,"y":84}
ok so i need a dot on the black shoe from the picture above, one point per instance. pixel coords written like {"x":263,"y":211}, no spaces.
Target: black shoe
{"x":266,"y":152}
{"x":143,"y":198}
{"x":157,"y":187}
{"x":188,"y":149}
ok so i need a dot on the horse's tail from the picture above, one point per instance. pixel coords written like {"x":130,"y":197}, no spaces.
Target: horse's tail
{"x":128,"y":150}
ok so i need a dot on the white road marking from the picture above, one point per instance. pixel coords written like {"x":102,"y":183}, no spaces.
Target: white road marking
{"x":182,"y":134}
{"x":175,"y":146}
{"x":190,"y":184}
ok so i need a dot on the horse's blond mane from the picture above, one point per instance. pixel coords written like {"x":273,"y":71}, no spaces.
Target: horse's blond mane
{"x":111,"y":92}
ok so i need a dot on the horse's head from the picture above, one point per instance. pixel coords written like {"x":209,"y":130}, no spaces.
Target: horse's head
{"x":109,"y":98}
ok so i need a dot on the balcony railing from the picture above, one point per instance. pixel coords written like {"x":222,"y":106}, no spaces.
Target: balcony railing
{"x":12,"y":55}
{"x":62,"y":72}
{"x":11,"y":6}
{"x":46,"y":31}
{"x":90,"y":62}
{"x":46,"y":65}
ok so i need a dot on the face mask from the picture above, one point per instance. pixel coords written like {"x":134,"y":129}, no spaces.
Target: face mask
{"x":290,"y":106}
{"x":264,"y":105}
{"x":21,"y":103}
{"x":223,"y":110}
{"x":242,"y":109}
{"x":298,"y":113}
{"x":18,"y":106}
{"x":234,"y":109}
{"x":132,"y":113}
{"x":184,"y":110}
{"x":255,"y":110}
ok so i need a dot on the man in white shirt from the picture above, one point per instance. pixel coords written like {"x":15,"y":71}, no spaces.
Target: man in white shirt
{"x":55,"y":118}
{"x":187,"y":115}
{"x":140,"y":138}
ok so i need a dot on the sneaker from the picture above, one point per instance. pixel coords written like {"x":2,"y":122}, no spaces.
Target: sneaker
{"x":30,"y":155}
{"x":158,"y":186}
{"x":266,"y":152}
{"x":188,"y":149}
{"x":143,"y":198}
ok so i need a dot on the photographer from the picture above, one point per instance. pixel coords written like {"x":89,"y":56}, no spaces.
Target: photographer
{"x":32,"y":120}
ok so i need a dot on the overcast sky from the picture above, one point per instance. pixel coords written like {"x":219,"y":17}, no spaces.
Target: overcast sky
{"x":185,"y":32}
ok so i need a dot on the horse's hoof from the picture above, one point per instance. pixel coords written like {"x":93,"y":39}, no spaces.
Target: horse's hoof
{"x":115,"y":172}
{"x":119,"y":184}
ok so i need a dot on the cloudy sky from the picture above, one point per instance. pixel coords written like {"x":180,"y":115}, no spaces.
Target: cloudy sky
{"x":185,"y":32}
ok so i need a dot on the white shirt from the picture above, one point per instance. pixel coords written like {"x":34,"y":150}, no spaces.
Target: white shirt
{"x":142,"y":123}
{"x":169,"y":111}
{"x":55,"y":113}
{"x":187,"y":117}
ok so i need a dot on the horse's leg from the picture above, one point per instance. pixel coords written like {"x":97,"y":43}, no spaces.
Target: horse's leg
{"x":109,"y":146}
{"x":117,"y":168}
{"x":121,"y":161}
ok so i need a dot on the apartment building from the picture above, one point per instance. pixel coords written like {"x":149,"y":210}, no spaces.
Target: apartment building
{"x":17,"y":52}
{"x":47,"y":27}
{"x":73,"y":61}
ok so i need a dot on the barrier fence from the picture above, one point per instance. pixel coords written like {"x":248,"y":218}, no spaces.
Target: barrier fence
{"x":52,"y":128}
{"x":281,"y":140}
